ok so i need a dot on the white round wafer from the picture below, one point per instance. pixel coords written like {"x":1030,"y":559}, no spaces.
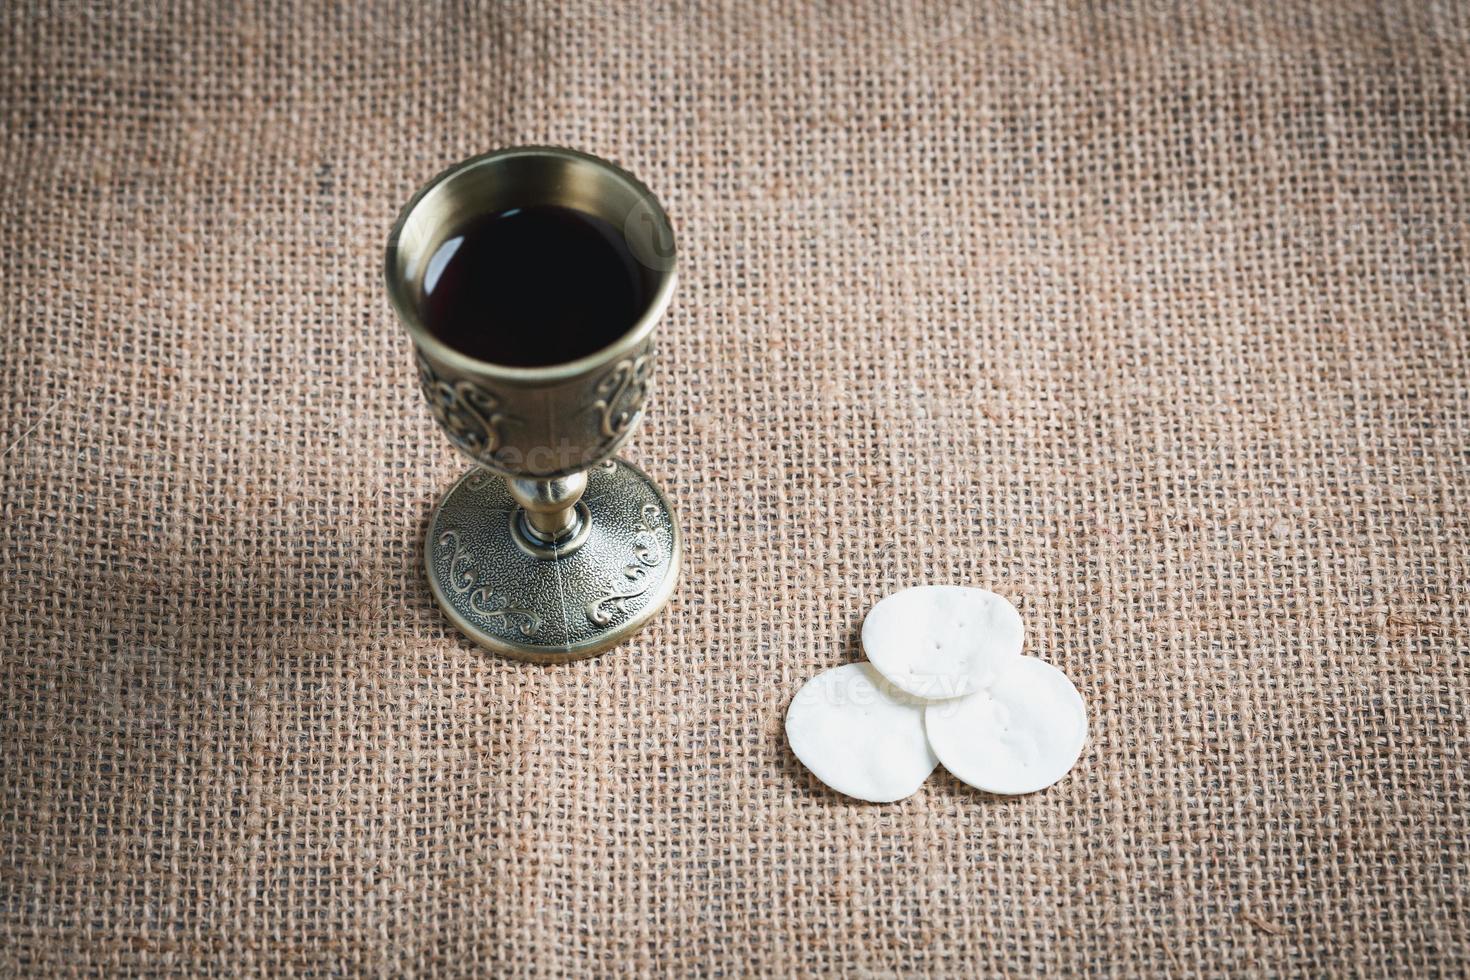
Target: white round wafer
{"x":1019,"y":735}
{"x":860,"y":736}
{"x":941,"y":641}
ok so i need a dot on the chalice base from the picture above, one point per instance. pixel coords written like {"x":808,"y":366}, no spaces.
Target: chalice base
{"x":561,"y":608}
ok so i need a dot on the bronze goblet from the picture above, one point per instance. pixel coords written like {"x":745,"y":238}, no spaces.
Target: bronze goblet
{"x":550,"y":548}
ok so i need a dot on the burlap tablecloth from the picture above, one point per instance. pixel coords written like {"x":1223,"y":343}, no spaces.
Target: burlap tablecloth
{"x":1152,"y":317}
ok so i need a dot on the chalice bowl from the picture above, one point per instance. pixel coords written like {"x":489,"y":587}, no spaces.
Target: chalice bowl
{"x":531,"y":281}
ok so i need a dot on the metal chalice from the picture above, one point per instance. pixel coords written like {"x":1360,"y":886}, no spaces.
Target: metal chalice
{"x":550,"y":548}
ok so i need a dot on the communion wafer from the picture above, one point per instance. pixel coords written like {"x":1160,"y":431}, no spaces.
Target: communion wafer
{"x":859,"y":735}
{"x":1020,"y":734}
{"x":941,"y":641}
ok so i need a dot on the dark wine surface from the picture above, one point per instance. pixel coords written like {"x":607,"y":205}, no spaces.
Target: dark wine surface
{"x":533,"y":286}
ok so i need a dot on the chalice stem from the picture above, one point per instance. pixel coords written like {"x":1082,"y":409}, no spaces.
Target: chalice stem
{"x":550,"y":506}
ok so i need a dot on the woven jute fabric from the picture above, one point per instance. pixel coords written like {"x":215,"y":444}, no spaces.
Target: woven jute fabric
{"x":1154,"y":318}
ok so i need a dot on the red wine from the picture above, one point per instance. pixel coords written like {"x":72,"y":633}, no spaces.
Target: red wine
{"x":533,"y":286}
